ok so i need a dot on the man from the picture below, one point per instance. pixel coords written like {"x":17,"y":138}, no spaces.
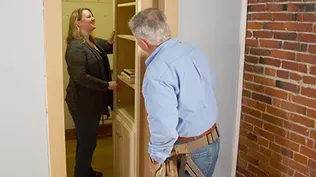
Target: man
{"x":178,"y":89}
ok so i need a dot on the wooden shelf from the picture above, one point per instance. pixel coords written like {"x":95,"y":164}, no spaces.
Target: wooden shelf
{"x":127,"y":4}
{"x":123,"y":80}
{"x":127,"y":37}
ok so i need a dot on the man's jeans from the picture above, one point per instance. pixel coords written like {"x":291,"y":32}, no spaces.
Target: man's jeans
{"x":206,"y":158}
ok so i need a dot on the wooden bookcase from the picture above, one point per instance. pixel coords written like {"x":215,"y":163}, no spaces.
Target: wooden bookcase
{"x":130,"y":129}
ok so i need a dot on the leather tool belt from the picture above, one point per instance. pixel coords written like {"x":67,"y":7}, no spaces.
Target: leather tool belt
{"x":182,"y":152}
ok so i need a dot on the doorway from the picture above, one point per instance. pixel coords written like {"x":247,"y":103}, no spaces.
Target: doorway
{"x":103,"y":155}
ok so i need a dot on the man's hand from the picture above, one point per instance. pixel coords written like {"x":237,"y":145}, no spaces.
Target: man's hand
{"x":111,"y":38}
{"x":113,"y":86}
{"x":154,"y":167}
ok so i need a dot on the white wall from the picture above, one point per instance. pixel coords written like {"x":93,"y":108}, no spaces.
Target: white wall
{"x":215,"y":27}
{"x":23,"y":119}
{"x":103,"y":12}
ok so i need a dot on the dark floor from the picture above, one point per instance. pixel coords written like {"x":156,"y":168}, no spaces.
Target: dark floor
{"x":102,"y":159}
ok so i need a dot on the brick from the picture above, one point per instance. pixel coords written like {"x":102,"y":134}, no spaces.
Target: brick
{"x":246,"y":126}
{"x":270,"y":44}
{"x":295,"y":46}
{"x":304,"y":101}
{"x":264,"y":81}
{"x":263,"y":133}
{"x":248,"y":77}
{"x":279,"y":166}
{"x":249,"y":159}
{"x":297,"y":138}
{"x":314,"y":30}
{"x":269,"y":169}
{"x":293,"y":107}
{"x":275,"y":147}
{"x":300,"y":158}
{"x":258,"y":155}
{"x":287,"y":152}
{"x":251,"y":111}
{"x":253,"y":104}
{"x":310,"y":143}
{"x":254,"y":121}
{"x":253,"y":68}
{"x":257,"y":171}
{"x":311,"y":38}
{"x":254,"y":25}
{"x":248,"y":143}
{"x":309,"y":7}
{"x":308,"y":92}
{"x":247,"y":50}
{"x":256,"y":8}
{"x":260,"y":52}
{"x":263,"y":142}
{"x":276,"y":93}
{"x":294,"y":66}
{"x":242,"y":172}
{"x":276,"y":102}
{"x":300,"y":27}
{"x":246,"y":93}
{"x":312,"y":164}
{"x":284,"y":17}
{"x":248,"y":34}
{"x":261,"y":16}
{"x":270,"y":61}
{"x":254,"y":87}
{"x":252,"y":42}
{"x":286,"y":143}
{"x":262,"y":98}
{"x":263,"y":34}
{"x":302,"y":120}
{"x":270,"y":72}
{"x":309,"y":80}
{"x":274,"y":26}
{"x":313,"y":70}
{"x":313,"y":134}
{"x":283,"y":74}
{"x":296,"y":77}
{"x":276,"y":7}
{"x":308,"y":152}
{"x":307,"y":17}
{"x":272,"y":119}
{"x":285,"y":36}
{"x":288,"y":86}
{"x":274,"y":129}
{"x":298,"y":167}
{"x":297,"y":174}
{"x":311,"y":113}
{"x":296,"y":128}
{"x":283,"y":54}
{"x":312,"y":48}
{"x":312,"y":172}
{"x":278,"y":112}
{"x":311,"y":59}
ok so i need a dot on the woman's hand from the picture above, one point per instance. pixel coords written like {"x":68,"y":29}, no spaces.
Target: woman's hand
{"x":111,"y":38}
{"x":113,"y":86}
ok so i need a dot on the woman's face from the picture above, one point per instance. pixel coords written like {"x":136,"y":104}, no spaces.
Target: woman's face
{"x":87,"y":21}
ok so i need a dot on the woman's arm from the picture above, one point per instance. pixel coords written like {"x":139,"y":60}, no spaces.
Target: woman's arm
{"x":107,"y":47}
{"x":76,"y":62}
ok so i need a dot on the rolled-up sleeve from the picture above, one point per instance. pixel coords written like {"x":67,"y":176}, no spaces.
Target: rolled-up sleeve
{"x":161,"y":105}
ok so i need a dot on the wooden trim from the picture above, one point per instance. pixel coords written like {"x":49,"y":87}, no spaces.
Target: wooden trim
{"x":54,"y":85}
{"x":104,"y":132}
{"x":242,"y":43}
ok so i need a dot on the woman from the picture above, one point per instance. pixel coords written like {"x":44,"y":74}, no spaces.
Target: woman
{"x":89,"y":91}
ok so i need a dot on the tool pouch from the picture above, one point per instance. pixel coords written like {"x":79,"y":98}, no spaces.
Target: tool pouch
{"x":169,"y":168}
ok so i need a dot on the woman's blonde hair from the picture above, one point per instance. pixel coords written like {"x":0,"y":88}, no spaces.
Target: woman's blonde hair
{"x":73,"y":30}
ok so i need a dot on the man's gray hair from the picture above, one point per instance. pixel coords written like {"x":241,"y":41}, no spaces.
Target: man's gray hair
{"x":151,"y":25}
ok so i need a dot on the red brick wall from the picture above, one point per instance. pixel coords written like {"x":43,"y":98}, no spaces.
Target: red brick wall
{"x":277,"y":131}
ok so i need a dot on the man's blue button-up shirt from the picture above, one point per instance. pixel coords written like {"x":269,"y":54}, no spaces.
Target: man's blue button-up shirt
{"x":178,"y":89}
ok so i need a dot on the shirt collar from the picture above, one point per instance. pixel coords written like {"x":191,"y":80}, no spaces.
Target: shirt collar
{"x":162,"y":46}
